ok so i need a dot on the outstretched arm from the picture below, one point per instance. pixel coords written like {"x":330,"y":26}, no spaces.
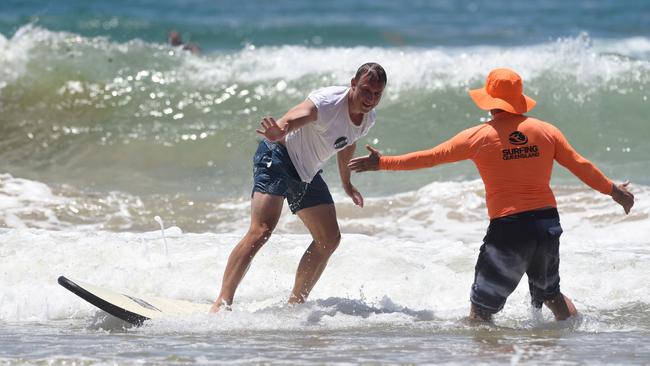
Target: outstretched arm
{"x":459,"y":147}
{"x":297,"y":117}
{"x":343,"y":158}
{"x":584,"y":169}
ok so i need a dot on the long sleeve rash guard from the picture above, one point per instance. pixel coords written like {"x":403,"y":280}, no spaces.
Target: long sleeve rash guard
{"x":514,"y":155}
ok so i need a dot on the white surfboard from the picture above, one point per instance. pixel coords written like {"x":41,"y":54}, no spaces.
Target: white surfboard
{"x":134,"y":309}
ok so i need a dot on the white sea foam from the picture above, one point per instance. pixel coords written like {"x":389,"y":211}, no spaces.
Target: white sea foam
{"x":412,"y":251}
{"x":24,"y":202}
{"x":28,"y":203}
{"x":637,"y":47}
{"x":14,"y":54}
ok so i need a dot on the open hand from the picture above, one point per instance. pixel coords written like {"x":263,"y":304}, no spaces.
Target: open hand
{"x":366,"y":163}
{"x":271,"y":131}
{"x":622,"y":196}
{"x":352,"y":191}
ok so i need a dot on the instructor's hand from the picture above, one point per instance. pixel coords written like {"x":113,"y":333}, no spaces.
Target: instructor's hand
{"x":622,"y":196}
{"x":271,"y":131}
{"x":366,"y":163}
{"x":352,"y":191}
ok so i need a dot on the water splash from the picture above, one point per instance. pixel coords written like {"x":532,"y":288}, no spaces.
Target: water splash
{"x":162,"y":232}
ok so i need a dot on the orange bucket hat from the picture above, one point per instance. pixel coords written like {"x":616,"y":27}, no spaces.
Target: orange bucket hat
{"x":503,"y":90}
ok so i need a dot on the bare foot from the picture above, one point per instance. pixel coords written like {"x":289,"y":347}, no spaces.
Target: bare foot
{"x":476,"y":315}
{"x":561,"y":306}
{"x":216,"y":307}
{"x":294,"y":300}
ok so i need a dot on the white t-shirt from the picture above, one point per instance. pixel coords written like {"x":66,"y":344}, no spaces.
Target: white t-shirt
{"x":312,"y":145}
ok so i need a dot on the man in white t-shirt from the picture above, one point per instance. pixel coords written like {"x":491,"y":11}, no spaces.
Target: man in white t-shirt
{"x":288,"y":164}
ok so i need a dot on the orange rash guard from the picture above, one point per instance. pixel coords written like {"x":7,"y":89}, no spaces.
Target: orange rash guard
{"x":514,"y":155}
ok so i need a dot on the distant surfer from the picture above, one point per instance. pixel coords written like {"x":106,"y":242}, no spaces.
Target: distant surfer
{"x":287,"y":165}
{"x":514,"y":155}
{"x":174,"y":39}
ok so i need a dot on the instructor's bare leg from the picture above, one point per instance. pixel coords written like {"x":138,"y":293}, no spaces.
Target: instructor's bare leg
{"x":324,"y":229}
{"x":478,"y":315}
{"x":265,"y":213}
{"x":561,"y":306}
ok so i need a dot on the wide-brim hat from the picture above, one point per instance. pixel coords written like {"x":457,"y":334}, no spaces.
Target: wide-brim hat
{"x":504,"y":90}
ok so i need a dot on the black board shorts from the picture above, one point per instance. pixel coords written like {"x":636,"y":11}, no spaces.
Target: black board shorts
{"x":526,"y":242}
{"x":274,"y":173}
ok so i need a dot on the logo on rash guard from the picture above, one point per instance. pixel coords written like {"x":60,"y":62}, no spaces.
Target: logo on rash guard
{"x":340,"y":142}
{"x":518,"y":138}
{"x":523,"y":152}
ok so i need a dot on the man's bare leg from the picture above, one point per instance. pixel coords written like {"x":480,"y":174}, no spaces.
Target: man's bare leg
{"x":478,"y":315}
{"x":265,"y":213}
{"x":561,"y":306}
{"x":324,"y":229}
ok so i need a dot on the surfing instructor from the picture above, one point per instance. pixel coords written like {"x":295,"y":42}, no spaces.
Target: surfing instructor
{"x":287,"y":165}
{"x":514,"y":155}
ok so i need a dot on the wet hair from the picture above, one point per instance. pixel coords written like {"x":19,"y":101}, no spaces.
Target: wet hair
{"x":375,"y":72}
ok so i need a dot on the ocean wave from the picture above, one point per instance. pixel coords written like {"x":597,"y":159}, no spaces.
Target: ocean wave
{"x":143,"y":118}
{"x":594,"y":60}
{"x":415,"y":214}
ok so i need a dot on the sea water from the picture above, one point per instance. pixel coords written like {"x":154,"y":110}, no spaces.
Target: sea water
{"x":104,"y":127}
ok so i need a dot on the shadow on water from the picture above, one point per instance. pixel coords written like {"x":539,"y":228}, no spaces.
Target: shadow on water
{"x":107,"y":322}
{"x":337,"y":305}
{"x":631,"y":315}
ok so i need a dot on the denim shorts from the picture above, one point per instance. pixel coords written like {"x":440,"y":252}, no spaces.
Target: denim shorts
{"x":526,"y":242}
{"x":274,"y":173}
